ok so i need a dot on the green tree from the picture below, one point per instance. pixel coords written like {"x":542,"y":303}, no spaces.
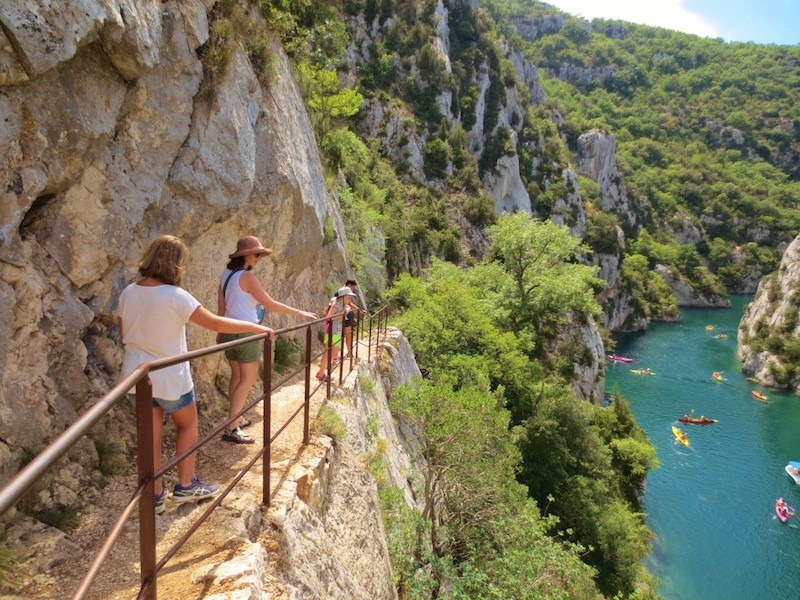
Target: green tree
{"x":545,"y":282}
{"x":325,"y":97}
{"x":437,"y":158}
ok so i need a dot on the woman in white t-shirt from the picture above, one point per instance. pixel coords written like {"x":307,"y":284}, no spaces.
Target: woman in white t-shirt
{"x":152,"y":317}
{"x":241,"y":296}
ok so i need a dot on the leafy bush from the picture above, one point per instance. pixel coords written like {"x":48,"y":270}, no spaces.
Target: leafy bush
{"x":287,"y":353}
{"x":437,"y":158}
{"x":329,"y":423}
{"x":479,"y":210}
{"x":366,"y":383}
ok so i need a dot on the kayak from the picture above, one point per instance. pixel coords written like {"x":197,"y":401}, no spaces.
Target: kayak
{"x":618,"y":358}
{"x":783,"y":510}
{"x":680,"y":436}
{"x":642,"y":371}
{"x":793,"y":471}
{"x":709,"y":328}
{"x":718,"y":376}
{"x":703,"y":420}
{"x":721,"y":336}
{"x":759,"y":395}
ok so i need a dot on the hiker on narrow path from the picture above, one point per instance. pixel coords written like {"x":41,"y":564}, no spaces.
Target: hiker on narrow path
{"x":241,"y":296}
{"x":152,"y":317}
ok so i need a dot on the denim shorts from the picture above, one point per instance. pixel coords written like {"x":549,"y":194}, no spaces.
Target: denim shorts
{"x":169,"y":406}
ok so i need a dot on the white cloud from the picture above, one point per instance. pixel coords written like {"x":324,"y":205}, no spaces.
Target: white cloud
{"x":669,"y":14}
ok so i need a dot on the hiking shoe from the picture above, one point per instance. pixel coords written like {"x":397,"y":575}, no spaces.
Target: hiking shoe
{"x":160,"y":499}
{"x":237,"y":436}
{"x":195,"y":491}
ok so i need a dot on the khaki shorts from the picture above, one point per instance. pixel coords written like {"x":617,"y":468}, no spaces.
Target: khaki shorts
{"x":246,"y":353}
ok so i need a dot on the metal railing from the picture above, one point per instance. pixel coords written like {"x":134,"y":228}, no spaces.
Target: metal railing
{"x":143,"y":495}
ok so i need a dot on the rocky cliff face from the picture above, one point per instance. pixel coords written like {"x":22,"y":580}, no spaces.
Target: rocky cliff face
{"x":112,"y":135}
{"x":328,"y":520}
{"x":769,"y":333}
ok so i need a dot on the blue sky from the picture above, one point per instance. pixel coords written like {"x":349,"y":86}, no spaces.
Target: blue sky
{"x":761,"y":21}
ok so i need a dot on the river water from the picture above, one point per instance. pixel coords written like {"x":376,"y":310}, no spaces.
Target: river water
{"x":711,"y":505}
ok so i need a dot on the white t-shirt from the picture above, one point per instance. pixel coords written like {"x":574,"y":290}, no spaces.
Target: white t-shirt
{"x":238,"y":303}
{"x":154,"y":326}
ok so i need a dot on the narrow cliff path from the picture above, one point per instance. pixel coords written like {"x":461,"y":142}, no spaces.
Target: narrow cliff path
{"x":229,"y":536}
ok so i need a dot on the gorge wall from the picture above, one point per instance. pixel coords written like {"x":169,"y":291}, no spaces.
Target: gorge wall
{"x":112,"y":134}
{"x":769,"y":333}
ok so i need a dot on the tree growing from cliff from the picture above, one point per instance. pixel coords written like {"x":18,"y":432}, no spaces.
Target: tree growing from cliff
{"x":487,"y":538}
{"x":541,"y":282}
{"x":583,"y":462}
{"x":584,"y":457}
{"x":469,"y":460}
{"x":327,"y":100}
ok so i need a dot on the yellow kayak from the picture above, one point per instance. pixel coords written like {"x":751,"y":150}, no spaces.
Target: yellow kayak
{"x":642,"y":372}
{"x":680,"y":436}
{"x":718,"y":376}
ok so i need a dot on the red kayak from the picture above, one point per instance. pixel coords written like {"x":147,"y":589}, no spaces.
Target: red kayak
{"x":783,"y":510}
{"x":618,"y":358}
{"x":698,"y":420}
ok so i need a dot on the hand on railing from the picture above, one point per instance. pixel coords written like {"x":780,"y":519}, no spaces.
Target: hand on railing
{"x":257,"y":329}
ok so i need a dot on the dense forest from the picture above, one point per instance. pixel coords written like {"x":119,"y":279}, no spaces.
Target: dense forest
{"x":417,"y":105}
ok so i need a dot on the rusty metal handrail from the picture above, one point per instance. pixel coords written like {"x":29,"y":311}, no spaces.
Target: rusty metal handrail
{"x":13,"y":490}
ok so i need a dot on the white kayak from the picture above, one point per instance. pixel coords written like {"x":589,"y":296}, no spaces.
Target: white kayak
{"x":793,"y":471}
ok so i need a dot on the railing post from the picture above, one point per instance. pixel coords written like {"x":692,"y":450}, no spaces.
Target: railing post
{"x":342,"y":341}
{"x":267,"y":460}
{"x":369,"y":341}
{"x":327,"y":367}
{"x":356,"y":334}
{"x":147,"y":505}
{"x":307,"y":388}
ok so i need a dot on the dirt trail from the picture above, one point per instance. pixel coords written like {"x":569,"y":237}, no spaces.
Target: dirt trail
{"x":222,"y":538}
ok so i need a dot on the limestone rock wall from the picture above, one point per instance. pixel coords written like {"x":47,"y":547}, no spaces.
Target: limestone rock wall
{"x":112,"y":134}
{"x":769,"y":332}
{"x":330,"y":533}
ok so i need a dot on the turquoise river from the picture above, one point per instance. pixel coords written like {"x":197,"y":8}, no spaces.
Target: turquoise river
{"x":711,"y":504}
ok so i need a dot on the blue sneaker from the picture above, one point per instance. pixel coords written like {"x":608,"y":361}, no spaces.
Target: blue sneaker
{"x":194,"y":492}
{"x":160,"y":499}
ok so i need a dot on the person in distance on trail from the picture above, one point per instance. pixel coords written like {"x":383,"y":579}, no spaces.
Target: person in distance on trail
{"x":241,"y":296}
{"x":152,"y":316}
{"x":348,"y":292}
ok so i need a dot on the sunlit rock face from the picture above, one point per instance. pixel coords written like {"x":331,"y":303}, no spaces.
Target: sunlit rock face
{"x":112,"y":135}
{"x":769,"y":333}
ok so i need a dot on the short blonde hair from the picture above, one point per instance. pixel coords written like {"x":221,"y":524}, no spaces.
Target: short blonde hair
{"x":164,"y":260}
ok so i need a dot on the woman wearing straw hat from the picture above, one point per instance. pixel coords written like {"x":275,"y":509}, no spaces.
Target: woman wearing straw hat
{"x":241,"y":296}
{"x":152,"y":317}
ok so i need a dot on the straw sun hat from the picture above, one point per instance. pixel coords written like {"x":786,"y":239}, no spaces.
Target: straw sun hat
{"x":249,"y":245}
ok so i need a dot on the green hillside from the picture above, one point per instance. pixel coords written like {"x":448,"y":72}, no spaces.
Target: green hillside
{"x":705,"y":128}
{"x":417,"y":108}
